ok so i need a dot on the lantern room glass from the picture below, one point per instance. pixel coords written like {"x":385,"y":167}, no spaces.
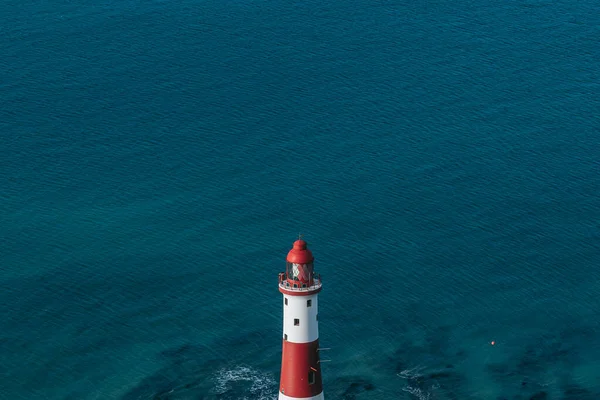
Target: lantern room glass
{"x":300,"y":273}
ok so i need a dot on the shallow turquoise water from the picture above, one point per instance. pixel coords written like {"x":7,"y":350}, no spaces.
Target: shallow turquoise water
{"x":158,"y":160}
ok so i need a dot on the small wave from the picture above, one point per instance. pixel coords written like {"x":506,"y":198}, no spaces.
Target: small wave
{"x":413,"y":375}
{"x":262,"y":386}
{"x":420,"y":393}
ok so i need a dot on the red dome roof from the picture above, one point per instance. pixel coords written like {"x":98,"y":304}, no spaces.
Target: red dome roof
{"x":300,"y":254}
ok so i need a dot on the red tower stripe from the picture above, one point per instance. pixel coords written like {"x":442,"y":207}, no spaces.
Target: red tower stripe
{"x":298,"y":362}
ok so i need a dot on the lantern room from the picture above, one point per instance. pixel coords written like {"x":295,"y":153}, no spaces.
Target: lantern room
{"x":299,"y":270}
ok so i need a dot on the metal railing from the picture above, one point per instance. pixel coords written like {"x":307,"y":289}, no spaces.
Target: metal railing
{"x":285,"y":284}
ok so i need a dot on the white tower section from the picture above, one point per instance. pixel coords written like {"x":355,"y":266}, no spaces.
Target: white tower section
{"x":300,"y":318}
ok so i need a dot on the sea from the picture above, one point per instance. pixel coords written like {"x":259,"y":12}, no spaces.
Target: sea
{"x":159,"y":158}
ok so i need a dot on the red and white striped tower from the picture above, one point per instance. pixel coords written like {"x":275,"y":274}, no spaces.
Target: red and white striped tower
{"x":300,"y":366}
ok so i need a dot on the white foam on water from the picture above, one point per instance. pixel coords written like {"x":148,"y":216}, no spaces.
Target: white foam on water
{"x":261,"y":384}
{"x":411,"y":375}
{"x":418,"y":393}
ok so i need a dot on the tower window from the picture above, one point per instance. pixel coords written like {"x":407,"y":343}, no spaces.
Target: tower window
{"x":296,"y":322}
{"x":285,"y":336}
{"x":308,"y":303}
{"x":286,"y":301}
{"x":311,"y":377}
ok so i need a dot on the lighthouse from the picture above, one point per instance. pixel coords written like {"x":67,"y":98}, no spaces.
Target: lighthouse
{"x":300,"y":365}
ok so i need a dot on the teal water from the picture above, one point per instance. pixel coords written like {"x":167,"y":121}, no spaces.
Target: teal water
{"x":159,"y":158}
